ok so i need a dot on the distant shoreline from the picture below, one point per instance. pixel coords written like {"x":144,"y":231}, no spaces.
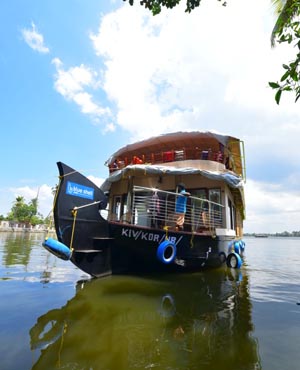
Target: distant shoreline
{"x":276,"y":235}
{"x":25,"y":230}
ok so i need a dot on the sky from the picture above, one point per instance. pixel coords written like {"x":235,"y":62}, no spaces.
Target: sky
{"x":80,"y":79}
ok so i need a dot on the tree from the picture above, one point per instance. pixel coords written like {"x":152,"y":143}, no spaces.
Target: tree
{"x":287,"y":29}
{"x":155,"y":6}
{"x":25,"y":213}
{"x":17,"y":211}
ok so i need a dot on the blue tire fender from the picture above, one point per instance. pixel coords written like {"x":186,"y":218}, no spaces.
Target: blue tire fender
{"x":236,"y":246}
{"x":234,"y":260}
{"x":166,"y":252}
{"x":57,"y":248}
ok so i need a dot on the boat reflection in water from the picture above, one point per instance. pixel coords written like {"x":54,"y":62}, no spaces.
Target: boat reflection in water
{"x":194,"y":321}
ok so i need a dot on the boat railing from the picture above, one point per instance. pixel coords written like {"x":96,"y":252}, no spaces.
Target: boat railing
{"x":170,"y":156}
{"x":230,"y":161}
{"x":155,"y":208}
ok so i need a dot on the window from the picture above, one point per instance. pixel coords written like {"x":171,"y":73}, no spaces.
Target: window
{"x":119,"y":206}
{"x":215,"y":209}
{"x":231,"y":214}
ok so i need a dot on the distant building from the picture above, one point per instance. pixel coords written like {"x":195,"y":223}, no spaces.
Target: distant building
{"x":15,"y":226}
{"x":4,"y":224}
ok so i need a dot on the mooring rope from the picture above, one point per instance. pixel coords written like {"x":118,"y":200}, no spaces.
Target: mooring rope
{"x":74,"y":213}
{"x":166,"y":228}
{"x":60,"y":178}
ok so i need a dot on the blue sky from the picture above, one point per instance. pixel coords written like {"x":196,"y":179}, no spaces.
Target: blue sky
{"x":81,"y":79}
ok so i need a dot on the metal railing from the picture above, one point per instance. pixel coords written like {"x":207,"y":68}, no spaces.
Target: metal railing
{"x":233,"y":162}
{"x":169,"y":156}
{"x":156,"y":208}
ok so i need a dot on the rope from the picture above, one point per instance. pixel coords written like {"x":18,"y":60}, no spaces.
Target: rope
{"x":192,"y":241}
{"x":166,"y":228}
{"x":74,"y":213}
{"x":54,"y":201}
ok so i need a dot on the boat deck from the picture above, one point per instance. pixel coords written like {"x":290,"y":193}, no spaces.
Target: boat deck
{"x":155,"y":208}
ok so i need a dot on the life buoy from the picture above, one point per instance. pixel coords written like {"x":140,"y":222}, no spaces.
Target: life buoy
{"x":166,"y":252}
{"x":234,"y":260}
{"x":57,"y":248}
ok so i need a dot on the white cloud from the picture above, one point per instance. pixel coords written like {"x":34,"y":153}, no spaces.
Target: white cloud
{"x":271,"y":208}
{"x":35,"y":39}
{"x":72,"y":85}
{"x":96,"y":180}
{"x":110,"y":127}
{"x":208,"y":69}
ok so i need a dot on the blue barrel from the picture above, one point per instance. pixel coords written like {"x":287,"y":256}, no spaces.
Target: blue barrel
{"x":57,"y":248}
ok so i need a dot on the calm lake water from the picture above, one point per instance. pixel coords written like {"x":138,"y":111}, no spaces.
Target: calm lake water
{"x":53,"y":316}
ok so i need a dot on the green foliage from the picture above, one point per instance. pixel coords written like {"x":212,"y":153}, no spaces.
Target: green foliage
{"x":25,"y":213}
{"x":287,"y":30}
{"x":155,"y":6}
{"x":36,"y":220}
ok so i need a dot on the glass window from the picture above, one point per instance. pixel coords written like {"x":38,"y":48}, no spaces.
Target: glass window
{"x":215,"y":209}
{"x":117,"y":208}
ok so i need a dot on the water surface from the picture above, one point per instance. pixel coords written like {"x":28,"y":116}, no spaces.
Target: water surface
{"x":53,"y":316}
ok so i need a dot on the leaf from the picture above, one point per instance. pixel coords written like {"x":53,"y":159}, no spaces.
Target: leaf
{"x":294,"y":75}
{"x":274,"y":85}
{"x":285,"y":76}
{"x":278,"y":96}
{"x":285,"y":66}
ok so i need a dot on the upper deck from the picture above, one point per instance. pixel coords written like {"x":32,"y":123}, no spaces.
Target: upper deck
{"x":184,"y":149}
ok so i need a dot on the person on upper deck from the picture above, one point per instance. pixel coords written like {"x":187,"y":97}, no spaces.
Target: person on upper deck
{"x":180,"y":206}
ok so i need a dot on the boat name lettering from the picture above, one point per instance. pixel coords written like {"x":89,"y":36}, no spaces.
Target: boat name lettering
{"x":143,"y":235}
{"x":78,"y":190}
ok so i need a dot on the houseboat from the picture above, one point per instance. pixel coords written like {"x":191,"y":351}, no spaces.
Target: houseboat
{"x":170,"y":203}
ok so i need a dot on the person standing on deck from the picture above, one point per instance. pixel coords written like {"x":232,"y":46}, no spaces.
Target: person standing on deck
{"x":180,"y":206}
